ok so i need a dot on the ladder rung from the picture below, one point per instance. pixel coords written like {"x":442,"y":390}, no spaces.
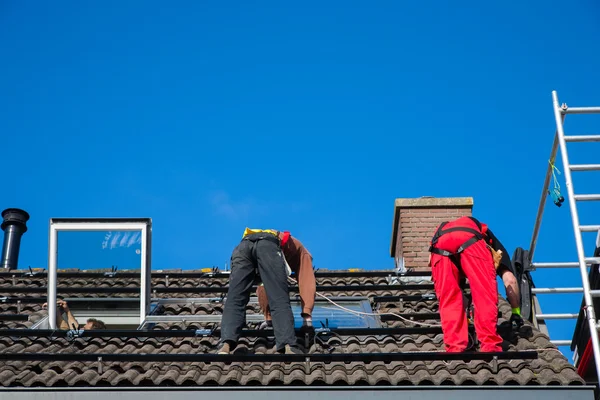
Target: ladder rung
{"x":561,"y":342}
{"x":583,"y":138}
{"x":587,"y":197}
{"x":589,"y":228}
{"x":556,"y":316}
{"x":585,"y":167}
{"x":591,"y":260}
{"x":556,"y":290}
{"x":582,"y":110}
{"x":595,"y":293}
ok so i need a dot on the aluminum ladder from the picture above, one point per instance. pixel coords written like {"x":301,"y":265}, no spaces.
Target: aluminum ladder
{"x":561,"y":140}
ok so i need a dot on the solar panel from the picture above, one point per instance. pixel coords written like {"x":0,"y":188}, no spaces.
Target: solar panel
{"x":326,"y":314}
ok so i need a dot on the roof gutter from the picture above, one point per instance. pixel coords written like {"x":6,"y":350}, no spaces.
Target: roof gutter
{"x":301,"y":392}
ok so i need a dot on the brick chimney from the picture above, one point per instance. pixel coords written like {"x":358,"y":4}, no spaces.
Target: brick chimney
{"x":415,"y":221}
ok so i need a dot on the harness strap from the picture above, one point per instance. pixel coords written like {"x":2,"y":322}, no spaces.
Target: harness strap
{"x":285,"y":238}
{"x":440,"y":232}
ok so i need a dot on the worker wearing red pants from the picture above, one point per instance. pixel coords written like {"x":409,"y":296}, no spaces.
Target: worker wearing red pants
{"x":461,"y":243}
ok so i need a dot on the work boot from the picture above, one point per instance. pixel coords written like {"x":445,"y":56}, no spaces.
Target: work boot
{"x":292,"y":350}
{"x":225,"y":348}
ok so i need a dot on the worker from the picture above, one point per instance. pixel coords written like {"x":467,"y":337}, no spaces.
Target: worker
{"x":505,"y":271}
{"x":66,"y":321}
{"x":464,"y":246}
{"x":300,"y":263}
{"x":261,"y":252}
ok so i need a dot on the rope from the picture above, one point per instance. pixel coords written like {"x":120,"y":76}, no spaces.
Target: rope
{"x":554,"y":171}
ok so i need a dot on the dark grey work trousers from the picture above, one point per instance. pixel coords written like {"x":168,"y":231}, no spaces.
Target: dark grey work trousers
{"x":258,"y":252}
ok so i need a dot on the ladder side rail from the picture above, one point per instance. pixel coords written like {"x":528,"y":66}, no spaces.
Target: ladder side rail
{"x":540,"y":212}
{"x":591,"y":315}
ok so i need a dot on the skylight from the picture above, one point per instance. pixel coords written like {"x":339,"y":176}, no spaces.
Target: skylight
{"x":99,"y":244}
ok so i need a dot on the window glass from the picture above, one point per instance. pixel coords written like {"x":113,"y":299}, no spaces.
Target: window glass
{"x":327,"y":314}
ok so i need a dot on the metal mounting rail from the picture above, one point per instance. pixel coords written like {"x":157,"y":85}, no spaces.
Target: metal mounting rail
{"x":256,"y":358}
{"x":155,"y":319}
{"x":394,"y":299}
{"x":265,"y":333}
{"x":417,"y":297}
{"x":560,"y":141}
{"x":14,"y":317}
{"x":214,"y":289}
{"x":211,"y":300}
{"x":193,"y":275}
{"x":23,"y":300}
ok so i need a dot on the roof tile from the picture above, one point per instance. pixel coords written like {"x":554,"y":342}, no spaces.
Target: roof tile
{"x":550,"y":368}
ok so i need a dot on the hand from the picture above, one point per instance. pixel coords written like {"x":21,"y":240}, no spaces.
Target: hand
{"x":59,"y":304}
{"x":516,"y":321}
{"x":63,"y":304}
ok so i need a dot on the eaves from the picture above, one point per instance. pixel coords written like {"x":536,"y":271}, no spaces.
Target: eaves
{"x":303,"y":393}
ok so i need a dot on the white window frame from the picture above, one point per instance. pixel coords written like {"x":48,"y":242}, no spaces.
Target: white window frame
{"x":94,"y":225}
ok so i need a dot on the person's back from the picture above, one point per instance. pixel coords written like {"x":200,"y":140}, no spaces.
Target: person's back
{"x":458,"y":249}
{"x":462,"y":229}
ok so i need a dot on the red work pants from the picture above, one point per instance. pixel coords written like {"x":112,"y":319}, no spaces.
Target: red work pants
{"x":478,"y":266}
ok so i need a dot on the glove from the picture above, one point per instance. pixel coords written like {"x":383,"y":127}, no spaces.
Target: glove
{"x":516,"y":321}
{"x":307,"y":322}
{"x":266,"y":325}
{"x":307,"y":326}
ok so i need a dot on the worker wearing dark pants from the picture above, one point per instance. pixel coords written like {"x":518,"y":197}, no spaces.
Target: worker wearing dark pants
{"x":258,"y":252}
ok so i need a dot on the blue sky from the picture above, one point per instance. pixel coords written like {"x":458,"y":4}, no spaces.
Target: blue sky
{"x":313,"y":118}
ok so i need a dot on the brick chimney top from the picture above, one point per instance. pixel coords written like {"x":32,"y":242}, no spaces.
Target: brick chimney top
{"x":415,"y":221}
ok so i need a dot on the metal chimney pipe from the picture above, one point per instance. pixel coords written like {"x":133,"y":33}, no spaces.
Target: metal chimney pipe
{"x":14,"y":227}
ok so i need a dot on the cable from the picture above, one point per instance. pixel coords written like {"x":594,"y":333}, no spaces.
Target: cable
{"x":369,"y":314}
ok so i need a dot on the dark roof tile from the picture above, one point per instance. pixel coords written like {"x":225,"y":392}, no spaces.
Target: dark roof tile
{"x":550,"y":368}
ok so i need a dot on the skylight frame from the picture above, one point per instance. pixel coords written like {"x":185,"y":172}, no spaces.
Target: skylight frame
{"x":144,"y":225}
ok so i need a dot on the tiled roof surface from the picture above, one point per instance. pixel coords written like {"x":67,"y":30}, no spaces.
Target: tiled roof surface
{"x":551,"y":368}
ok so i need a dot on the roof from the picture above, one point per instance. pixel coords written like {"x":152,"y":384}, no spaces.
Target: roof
{"x":550,"y":368}
{"x":424,"y":202}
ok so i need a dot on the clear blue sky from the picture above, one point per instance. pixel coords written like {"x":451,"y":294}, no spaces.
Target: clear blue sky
{"x":209,"y":118}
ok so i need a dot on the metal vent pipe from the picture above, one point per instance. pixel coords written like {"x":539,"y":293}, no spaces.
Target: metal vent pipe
{"x":14,"y":226}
